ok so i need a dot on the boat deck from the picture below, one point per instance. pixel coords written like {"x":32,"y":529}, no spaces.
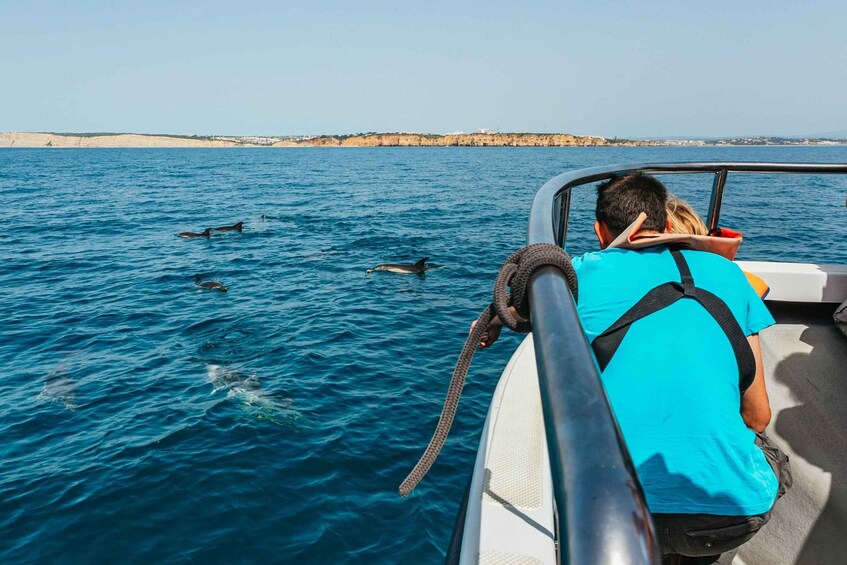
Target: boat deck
{"x":805,"y":357}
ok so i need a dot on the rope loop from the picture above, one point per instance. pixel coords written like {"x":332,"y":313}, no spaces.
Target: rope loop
{"x":515,"y":273}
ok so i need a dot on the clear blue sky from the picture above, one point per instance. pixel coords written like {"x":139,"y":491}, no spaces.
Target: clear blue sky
{"x":627,"y":69}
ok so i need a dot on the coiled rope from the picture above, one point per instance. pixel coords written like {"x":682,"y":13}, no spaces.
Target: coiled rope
{"x":514,"y":274}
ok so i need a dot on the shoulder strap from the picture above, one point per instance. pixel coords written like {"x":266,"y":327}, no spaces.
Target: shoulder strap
{"x":607,"y":343}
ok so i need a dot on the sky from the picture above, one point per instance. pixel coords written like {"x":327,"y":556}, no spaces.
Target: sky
{"x":617,"y":69}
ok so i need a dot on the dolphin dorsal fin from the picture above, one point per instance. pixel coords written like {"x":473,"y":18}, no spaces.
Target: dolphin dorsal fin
{"x":421,"y":262}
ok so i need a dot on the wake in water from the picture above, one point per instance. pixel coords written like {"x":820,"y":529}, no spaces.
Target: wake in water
{"x":254,"y":399}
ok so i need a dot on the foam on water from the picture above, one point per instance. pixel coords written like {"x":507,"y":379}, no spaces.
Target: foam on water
{"x":144,"y":420}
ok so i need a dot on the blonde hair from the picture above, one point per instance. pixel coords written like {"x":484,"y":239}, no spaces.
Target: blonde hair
{"x":683,"y":218}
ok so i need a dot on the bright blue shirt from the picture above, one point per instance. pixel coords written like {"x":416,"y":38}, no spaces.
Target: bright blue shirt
{"x":673,"y":383}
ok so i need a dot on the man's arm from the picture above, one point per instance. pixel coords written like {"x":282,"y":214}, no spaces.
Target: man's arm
{"x":755,"y":406}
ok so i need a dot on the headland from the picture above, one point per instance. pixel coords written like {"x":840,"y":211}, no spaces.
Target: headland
{"x":373,"y":139}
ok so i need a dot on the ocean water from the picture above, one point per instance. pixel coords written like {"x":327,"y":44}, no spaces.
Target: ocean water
{"x":144,"y":419}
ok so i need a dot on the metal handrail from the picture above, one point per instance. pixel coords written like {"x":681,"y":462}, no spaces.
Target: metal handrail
{"x":602,"y":515}
{"x":542,"y":229}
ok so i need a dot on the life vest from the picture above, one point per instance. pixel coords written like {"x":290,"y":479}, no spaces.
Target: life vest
{"x":607,"y":343}
{"x":723,"y":241}
{"x":759,"y":285}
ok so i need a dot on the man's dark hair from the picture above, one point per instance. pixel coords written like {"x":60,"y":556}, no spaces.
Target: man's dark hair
{"x":620,"y":200}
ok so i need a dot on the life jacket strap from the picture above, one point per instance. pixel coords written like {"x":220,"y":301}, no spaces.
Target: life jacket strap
{"x":688,"y":287}
{"x":607,"y":343}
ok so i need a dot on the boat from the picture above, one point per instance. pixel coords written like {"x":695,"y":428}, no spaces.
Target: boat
{"x":553,"y":481}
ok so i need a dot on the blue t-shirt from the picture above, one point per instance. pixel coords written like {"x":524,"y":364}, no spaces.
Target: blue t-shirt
{"x":673,"y":383}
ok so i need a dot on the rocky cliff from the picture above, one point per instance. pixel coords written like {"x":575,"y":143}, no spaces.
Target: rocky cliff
{"x":461,"y":140}
{"x":14,"y":139}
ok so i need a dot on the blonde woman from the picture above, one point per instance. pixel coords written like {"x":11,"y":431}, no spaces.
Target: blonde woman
{"x":683,"y":218}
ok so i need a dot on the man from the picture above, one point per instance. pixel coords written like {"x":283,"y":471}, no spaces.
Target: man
{"x":674,"y":379}
{"x":683,"y":373}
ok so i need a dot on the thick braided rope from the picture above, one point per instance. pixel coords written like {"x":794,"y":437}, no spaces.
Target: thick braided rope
{"x":515,"y":273}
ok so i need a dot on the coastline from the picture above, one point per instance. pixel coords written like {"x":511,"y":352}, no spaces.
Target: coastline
{"x":49,"y":139}
{"x":136,"y":140}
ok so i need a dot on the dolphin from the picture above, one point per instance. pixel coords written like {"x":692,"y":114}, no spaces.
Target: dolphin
{"x":233,"y":227}
{"x":205,"y":233}
{"x":249,"y":391}
{"x":60,"y":388}
{"x":211,"y":285}
{"x":403,"y":268}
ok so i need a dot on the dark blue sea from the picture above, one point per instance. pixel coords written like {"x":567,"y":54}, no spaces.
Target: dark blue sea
{"x":144,"y":419}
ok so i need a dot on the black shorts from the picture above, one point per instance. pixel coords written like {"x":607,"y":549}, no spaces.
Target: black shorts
{"x":708,"y":535}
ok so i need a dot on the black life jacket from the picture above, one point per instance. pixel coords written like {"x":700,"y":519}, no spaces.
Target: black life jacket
{"x":606,"y":344}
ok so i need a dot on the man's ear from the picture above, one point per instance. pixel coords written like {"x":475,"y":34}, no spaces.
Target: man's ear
{"x":668,"y":226}
{"x":603,"y":235}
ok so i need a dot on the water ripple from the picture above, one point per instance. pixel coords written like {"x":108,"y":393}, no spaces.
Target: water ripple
{"x":145,"y":417}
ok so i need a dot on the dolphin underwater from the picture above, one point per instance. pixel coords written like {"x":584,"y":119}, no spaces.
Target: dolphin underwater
{"x":403,"y":268}
{"x":234,"y":227}
{"x":249,"y":391}
{"x":60,"y":388}
{"x":205,"y":233}
{"x":211,"y":285}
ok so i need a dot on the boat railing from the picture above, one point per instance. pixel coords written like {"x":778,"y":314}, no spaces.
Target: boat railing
{"x":548,"y":222}
{"x":602,"y":515}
